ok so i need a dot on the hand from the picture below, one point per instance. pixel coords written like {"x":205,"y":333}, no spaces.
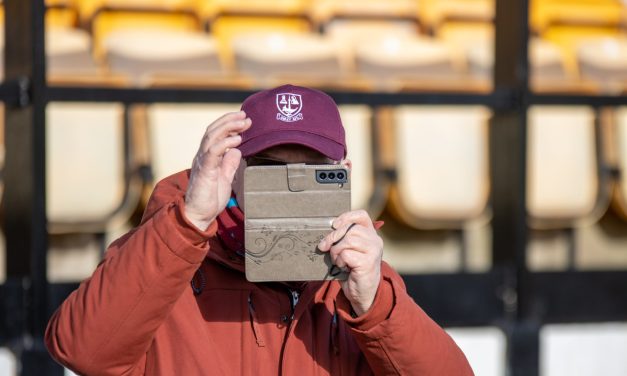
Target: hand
{"x":213,"y":169}
{"x":360,"y":251}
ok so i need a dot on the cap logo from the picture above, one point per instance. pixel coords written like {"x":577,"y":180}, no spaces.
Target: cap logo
{"x":289,"y":106}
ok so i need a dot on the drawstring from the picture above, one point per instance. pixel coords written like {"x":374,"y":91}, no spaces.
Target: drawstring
{"x":335,"y":330}
{"x":253,"y":321}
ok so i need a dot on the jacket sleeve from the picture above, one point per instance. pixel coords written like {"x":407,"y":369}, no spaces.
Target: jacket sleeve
{"x":398,"y":338}
{"x":106,"y":326}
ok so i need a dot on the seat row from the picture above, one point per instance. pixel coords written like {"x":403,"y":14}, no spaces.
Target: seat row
{"x":439,"y":156}
{"x":380,"y":57}
{"x":428,"y":13}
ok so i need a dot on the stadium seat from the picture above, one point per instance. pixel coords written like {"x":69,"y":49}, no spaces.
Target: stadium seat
{"x":175,"y":132}
{"x":210,"y":10}
{"x":563,"y":186}
{"x":91,"y":184}
{"x":271,"y":58}
{"x":69,"y":53}
{"x":393,"y":62}
{"x":357,"y":120}
{"x":568,"y":38}
{"x":61,"y":13}
{"x":433,"y":13}
{"x":347,"y":33}
{"x":619,"y":146}
{"x":604,"y":61}
{"x":325,"y":12}
{"x":147,"y":53}
{"x":546,"y":62}
{"x":546,"y":13}
{"x":441,"y":165}
{"x":583,"y":349}
{"x":463,"y":35}
{"x":90,"y":9}
{"x":484,"y":347}
{"x":108,"y":20}
{"x":228,"y":27}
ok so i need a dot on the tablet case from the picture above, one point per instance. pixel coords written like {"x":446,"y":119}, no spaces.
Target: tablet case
{"x":288,"y":210}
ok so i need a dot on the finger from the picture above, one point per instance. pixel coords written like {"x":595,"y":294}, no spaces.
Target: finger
{"x":360,"y":217}
{"x":349,"y":259}
{"x":334,"y":237}
{"x":230,"y":163}
{"x":212,"y":158}
{"x":354,"y":242}
{"x":229,"y":116}
{"x":223,"y":130}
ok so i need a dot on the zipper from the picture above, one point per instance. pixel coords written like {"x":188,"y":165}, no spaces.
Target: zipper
{"x":294,"y":296}
{"x":253,"y":321}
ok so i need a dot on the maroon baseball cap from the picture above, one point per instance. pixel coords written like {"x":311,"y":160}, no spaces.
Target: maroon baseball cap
{"x":293,"y":115}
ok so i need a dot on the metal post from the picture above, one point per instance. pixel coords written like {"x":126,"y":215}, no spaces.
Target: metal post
{"x":24,"y":202}
{"x":508,"y":135}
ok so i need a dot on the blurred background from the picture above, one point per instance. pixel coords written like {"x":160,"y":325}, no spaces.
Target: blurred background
{"x":490,"y":138}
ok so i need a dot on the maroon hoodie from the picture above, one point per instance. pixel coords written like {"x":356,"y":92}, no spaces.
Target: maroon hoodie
{"x":138,"y":314}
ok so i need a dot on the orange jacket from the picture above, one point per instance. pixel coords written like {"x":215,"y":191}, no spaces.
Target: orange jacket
{"x":138,"y":314}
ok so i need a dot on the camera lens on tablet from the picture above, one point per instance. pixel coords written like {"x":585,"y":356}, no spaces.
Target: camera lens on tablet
{"x":331,"y":175}
{"x":340,"y":175}
{"x":323,"y":175}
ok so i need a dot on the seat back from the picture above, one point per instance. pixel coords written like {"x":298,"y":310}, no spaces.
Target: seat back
{"x":175,"y":132}
{"x":286,"y":57}
{"x":441,"y":165}
{"x":85,"y":178}
{"x":147,"y":53}
{"x":357,"y":124}
{"x":562,"y":173}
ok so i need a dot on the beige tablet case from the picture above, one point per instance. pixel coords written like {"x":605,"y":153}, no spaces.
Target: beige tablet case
{"x":287,"y":212}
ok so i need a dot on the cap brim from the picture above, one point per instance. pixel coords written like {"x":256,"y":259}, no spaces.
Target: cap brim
{"x":325,"y":146}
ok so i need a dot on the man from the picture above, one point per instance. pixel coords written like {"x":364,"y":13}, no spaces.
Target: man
{"x":139,"y":314}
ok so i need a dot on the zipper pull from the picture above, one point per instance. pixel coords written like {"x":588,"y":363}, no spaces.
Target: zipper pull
{"x":294,"y":295}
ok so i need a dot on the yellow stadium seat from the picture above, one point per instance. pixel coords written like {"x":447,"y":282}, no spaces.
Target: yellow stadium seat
{"x":68,"y":53}
{"x":347,"y":33}
{"x":562,"y":175}
{"x":441,"y":165}
{"x":392,"y":62}
{"x":86,"y":184}
{"x":545,"y":59}
{"x":567,"y":38}
{"x":107,"y":21}
{"x":604,"y":60}
{"x":272,"y":57}
{"x":226,"y":28}
{"x":61,"y":15}
{"x":89,"y":8}
{"x":546,"y":13}
{"x":325,"y":11}
{"x":463,"y":34}
{"x":433,"y":13}
{"x":143,"y":54}
{"x":210,"y":10}
{"x":175,"y":132}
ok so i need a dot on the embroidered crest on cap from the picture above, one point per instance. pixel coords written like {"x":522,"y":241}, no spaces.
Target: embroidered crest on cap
{"x":289,"y":106}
